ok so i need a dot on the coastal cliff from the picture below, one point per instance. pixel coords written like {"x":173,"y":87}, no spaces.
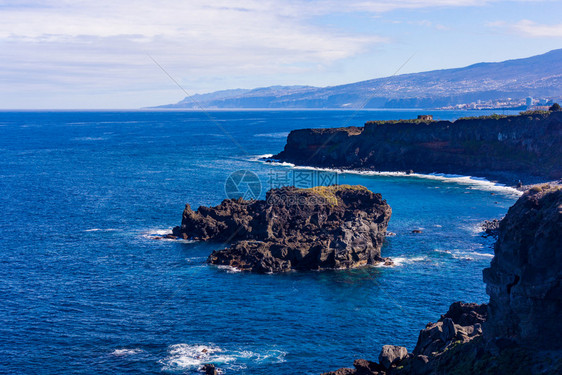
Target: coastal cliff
{"x":524,"y":280}
{"x":507,"y":148}
{"x":325,"y":227}
{"x":519,"y":331}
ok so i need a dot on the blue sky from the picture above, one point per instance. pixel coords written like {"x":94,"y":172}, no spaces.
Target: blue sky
{"x":95,"y":54}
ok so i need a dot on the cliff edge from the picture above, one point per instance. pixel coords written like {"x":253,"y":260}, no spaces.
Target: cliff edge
{"x":524,"y":280}
{"x":505,"y":148}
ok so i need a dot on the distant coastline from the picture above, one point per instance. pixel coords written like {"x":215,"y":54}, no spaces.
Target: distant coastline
{"x":514,"y":84}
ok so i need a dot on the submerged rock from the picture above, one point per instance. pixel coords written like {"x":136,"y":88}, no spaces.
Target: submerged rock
{"x":294,"y":229}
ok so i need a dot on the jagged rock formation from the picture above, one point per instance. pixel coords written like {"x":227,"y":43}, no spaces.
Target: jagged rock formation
{"x":294,"y":229}
{"x":519,"y":331}
{"x":490,"y":228}
{"x":524,"y":280}
{"x":507,"y":148}
{"x":460,"y":325}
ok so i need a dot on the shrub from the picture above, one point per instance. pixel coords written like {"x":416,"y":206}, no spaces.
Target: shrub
{"x":555,"y":108}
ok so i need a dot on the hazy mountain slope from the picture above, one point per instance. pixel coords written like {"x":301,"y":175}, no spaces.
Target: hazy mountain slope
{"x":537,"y":76}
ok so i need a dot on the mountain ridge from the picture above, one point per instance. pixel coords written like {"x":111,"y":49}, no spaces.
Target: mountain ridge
{"x":535,"y":76}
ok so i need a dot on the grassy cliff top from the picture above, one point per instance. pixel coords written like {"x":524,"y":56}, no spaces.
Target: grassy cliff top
{"x":329,"y":192}
{"x":407,"y":121}
{"x":494,"y":116}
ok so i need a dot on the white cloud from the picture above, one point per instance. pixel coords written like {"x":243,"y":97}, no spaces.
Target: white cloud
{"x":532,"y":29}
{"x":113,"y":38}
{"x":529,"y":29}
{"x":88,"y":45}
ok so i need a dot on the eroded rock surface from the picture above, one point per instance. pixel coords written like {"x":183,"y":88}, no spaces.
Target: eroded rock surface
{"x":524,"y":280}
{"x":294,"y":229}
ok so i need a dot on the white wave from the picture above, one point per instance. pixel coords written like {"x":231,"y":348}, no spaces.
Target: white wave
{"x":229,"y":269}
{"x":274,"y":162}
{"x":483,"y":255}
{"x":126,"y":352}
{"x":464,"y":255}
{"x":160,"y":234}
{"x":88,"y":139}
{"x":474,"y":182}
{"x":273,"y":135}
{"x":400,"y":261}
{"x":261,"y":157}
{"x":275,"y":356}
{"x":101,"y":230}
{"x":479,"y":183}
{"x":183,"y":357}
{"x":157,"y":232}
{"x":443,"y":251}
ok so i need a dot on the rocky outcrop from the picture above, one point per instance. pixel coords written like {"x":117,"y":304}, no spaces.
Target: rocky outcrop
{"x":490,"y":228}
{"x":524,"y":280}
{"x":209,"y":369}
{"x":294,"y":229}
{"x":506,"y":148}
{"x":391,"y":354}
{"x":519,"y":331}
{"x":460,"y":325}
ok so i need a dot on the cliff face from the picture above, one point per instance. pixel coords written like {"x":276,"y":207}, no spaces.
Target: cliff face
{"x":524,"y":280}
{"x":522,"y":145}
{"x":294,"y":229}
{"x":520,"y":331}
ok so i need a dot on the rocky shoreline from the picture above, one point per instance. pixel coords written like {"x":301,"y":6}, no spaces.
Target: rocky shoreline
{"x":514,"y":150}
{"x":519,"y":331}
{"x":326,"y":227}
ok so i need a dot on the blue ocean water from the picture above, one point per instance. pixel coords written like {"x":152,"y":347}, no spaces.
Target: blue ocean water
{"x":85,"y":289}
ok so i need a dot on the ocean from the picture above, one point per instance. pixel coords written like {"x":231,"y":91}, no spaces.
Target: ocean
{"x":85,"y":288}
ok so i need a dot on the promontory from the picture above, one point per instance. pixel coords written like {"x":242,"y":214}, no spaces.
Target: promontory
{"x":504,"y":148}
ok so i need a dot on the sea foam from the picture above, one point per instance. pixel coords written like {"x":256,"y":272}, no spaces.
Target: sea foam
{"x":182,"y":357}
{"x":474,"y":182}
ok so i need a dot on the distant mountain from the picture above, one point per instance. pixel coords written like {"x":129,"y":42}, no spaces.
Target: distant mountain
{"x":538,"y":76}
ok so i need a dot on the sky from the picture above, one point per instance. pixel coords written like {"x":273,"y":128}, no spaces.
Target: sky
{"x":84,"y":54}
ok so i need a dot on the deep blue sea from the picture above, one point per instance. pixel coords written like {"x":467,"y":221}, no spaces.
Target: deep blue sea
{"x":84,"y":287}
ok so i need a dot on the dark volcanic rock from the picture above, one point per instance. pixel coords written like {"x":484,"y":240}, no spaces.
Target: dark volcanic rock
{"x":210,"y":369}
{"x":508,"y":148}
{"x":519,"y":331}
{"x":466,"y":314}
{"x":524,"y":280}
{"x":491,"y":228}
{"x":294,"y":229}
{"x":391,"y":354}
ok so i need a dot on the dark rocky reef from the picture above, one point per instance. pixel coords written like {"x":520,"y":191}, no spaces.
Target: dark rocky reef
{"x":294,"y":229}
{"x":520,"y":330}
{"x":506,"y":148}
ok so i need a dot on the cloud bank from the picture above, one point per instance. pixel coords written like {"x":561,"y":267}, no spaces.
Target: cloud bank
{"x":101,"y":46}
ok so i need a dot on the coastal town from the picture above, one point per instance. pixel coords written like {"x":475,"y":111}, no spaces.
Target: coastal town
{"x":529,"y":103}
